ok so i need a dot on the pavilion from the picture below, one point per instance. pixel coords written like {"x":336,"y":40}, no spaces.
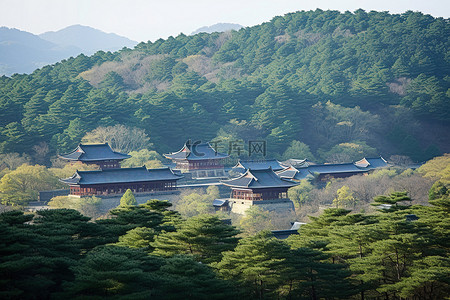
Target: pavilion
{"x":199,"y":159}
{"x":262,"y":187}
{"x":96,"y":154}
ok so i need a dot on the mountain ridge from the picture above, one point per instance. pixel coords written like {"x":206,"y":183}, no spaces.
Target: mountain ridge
{"x":87,"y":38}
{"x":23,"y":52}
{"x":218,"y":27}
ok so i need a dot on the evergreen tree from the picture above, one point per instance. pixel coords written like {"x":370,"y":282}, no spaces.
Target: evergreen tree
{"x":128,"y":199}
{"x":204,"y":237}
{"x":258,"y":264}
{"x":392,"y":202}
{"x":139,"y":238}
{"x":185,"y":278}
{"x":114,"y":272}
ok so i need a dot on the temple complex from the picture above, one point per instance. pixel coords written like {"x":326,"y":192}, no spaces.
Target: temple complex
{"x":96,"y":154}
{"x":117,"y":181}
{"x":199,"y":159}
{"x":262,"y":187}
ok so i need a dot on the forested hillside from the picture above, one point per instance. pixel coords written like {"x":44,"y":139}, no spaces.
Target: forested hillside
{"x":317,"y":83}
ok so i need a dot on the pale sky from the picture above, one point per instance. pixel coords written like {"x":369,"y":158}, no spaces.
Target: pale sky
{"x":143,"y":20}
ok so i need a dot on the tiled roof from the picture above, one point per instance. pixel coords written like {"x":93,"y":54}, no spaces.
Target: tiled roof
{"x":123,"y":175}
{"x":220,"y":202}
{"x":336,"y":168}
{"x":377,"y":162}
{"x":294,"y":173}
{"x":361,"y":166}
{"x":94,"y":152}
{"x":297,"y":163}
{"x":259,"y":178}
{"x":259,"y":164}
{"x":196,"y":151}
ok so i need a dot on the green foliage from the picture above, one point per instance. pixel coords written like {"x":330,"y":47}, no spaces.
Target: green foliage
{"x":300,"y":194}
{"x":152,"y":214}
{"x":198,"y":203}
{"x":298,"y":150}
{"x":184,"y":278}
{"x":395,"y":201}
{"x":344,"y":198}
{"x":70,"y":168}
{"x":139,"y":238}
{"x":128,"y":199}
{"x":438,"y":167}
{"x":114,"y":272}
{"x":258,"y":265}
{"x":59,"y":253}
{"x":203,"y":237}
{"x":255,"y":220}
{"x":348,"y":152}
{"x":22,"y":185}
{"x":266,"y":268}
{"x":151,"y":159}
{"x":87,"y":206}
{"x":36,"y":259}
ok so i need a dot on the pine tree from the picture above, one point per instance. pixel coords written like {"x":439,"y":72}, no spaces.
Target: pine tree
{"x":114,"y":272}
{"x":204,"y":237}
{"x":139,"y":238}
{"x":128,"y":199}
{"x":393,"y":202}
{"x":259,"y":264}
{"x":185,"y":278}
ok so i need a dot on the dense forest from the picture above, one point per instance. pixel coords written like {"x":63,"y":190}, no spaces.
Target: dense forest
{"x":148,"y":251}
{"x":318,"y":84}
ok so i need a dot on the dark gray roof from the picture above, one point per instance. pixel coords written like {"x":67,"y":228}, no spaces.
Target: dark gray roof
{"x":297,"y":163}
{"x":377,"y":162}
{"x":259,"y":178}
{"x":244,"y":165}
{"x":336,"y":168}
{"x":94,"y":152}
{"x":360,"y":166}
{"x":123,"y":175}
{"x":220,"y":202}
{"x":196,"y":151}
{"x":284,"y":234}
{"x":294,"y":173}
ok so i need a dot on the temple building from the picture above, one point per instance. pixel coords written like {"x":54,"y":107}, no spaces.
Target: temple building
{"x":243,"y":165}
{"x":260,"y":187}
{"x":96,"y":154}
{"x":199,"y":159}
{"x":117,"y":181}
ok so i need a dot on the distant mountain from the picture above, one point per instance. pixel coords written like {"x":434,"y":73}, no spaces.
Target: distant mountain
{"x":219,"y":27}
{"x":89,"y":39}
{"x":24,"y":52}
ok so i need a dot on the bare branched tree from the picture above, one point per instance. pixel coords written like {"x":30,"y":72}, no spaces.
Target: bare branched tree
{"x":40,"y":152}
{"x":121,"y":138}
{"x":13,"y":160}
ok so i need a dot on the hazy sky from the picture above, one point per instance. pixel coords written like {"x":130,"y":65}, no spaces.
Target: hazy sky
{"x":143,"y":20}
